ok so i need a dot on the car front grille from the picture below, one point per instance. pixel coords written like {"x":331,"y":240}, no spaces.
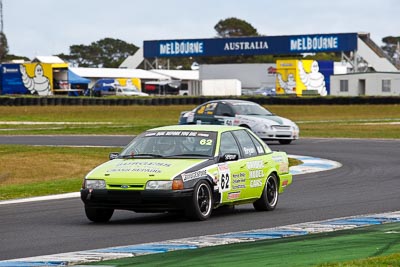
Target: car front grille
{"x":281,"y":127}
{"x":126,"y":186}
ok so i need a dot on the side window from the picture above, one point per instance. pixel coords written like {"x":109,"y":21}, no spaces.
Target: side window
{"x":228,"y":144}
{"x":207,"y":109}
{"x":259,"y":146}
{"x":223,"y":110}
{"x":249,"y":149}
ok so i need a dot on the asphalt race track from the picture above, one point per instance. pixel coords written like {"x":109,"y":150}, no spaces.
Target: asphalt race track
{"x":368,"y":182}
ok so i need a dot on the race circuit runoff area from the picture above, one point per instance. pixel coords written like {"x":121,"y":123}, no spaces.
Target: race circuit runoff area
{"x":310,"y":164}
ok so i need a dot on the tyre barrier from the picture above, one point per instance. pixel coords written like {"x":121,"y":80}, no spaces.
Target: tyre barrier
{"x":155,"y":101}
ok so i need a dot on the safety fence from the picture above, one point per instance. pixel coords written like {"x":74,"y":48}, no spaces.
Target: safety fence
{"x":184,"y":100}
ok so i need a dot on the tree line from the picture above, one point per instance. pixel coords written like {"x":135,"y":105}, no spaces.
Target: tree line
{"x":110,"y":52}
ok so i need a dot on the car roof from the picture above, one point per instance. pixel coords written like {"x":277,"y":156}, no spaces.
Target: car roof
{"x":197,"y":127}
{"x":231,"y":101}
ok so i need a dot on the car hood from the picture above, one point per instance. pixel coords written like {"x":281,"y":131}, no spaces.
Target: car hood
{"x":141,"y":170}
{"x":269,"y":119}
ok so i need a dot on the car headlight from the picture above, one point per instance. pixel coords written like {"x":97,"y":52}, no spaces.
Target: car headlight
{"x":266,"y":126}
{"x":159,"y":185}
{"x":95,"y":184}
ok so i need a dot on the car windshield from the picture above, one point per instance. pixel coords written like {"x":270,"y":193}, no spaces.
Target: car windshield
{"x":250,"y":109}
{"x":180,"y":144}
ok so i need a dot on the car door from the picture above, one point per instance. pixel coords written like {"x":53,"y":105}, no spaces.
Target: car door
{"x":231,"y":174}
{"x":255,"y":163}
{"x":205,"y":114}
{"x":224,"y":114}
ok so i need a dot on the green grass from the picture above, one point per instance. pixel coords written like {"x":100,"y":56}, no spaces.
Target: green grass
{"x":381,"y":261}
{"x":27,"y":171}
{"x":351,"y":121}
{"x":40,"y":188}
{"x":376,"y":245}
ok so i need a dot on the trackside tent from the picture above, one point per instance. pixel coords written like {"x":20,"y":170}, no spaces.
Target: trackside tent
{"x":73,"y":78}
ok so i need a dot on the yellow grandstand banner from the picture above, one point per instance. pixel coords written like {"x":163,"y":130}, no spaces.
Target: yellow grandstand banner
{"x":300,"y":77}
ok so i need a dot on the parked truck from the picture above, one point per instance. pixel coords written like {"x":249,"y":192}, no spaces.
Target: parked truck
{"x":216,"y":87}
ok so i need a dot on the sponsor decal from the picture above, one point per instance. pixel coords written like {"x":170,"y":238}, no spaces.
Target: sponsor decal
{"x":257,"y":164}
{"x":228,"y":122}
{"x":283,"y":164}
{"x":256,"y":183}
{"x":206,"y":142}
{"x":143,"y":163}
{"x":193,"y":175}
{"x":259,"y":149}
{"x":234,"y":195}
{"x":239,"y":180}
{"x":230,"y":157}
{"x":178,"y":133}
{"x":249,"y":150}
{"x":175,"y":133}
{"x":277,"y":158}
{"x":215,"y":178}
{"x":256,"y":174}
{"x":135,"y":166}
{"x":223,"y":167}
{"x":283,"y":167}
{"x":239,"y":186}
{"x":149,"y":170}
{"x":8,"y":70}
{"x":224,"y":177}
{"x":255,"y":169}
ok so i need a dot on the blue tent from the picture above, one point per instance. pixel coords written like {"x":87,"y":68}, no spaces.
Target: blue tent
{"x":73,"y":78}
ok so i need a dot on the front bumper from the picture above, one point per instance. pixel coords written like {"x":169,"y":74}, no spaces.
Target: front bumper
{"x":277,"y":135}
{"x":140,"y":201}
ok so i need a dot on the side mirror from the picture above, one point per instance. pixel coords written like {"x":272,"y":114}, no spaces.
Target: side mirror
{"x":113,"y":155}
{"x":229,"y":157}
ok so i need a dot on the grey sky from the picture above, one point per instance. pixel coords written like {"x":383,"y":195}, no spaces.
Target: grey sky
{"x":47,"y":27}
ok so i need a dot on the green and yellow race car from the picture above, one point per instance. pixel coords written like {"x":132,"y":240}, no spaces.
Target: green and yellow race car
{"x":187,"y":168}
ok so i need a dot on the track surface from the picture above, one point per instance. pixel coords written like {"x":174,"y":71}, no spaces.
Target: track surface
{"x":368,"y":182}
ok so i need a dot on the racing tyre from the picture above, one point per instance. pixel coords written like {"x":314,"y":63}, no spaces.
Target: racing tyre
{"x":201,"y":204}
{"x":98,"y":214}
{"x":284,"y":141}
{"x":269,"y":197}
